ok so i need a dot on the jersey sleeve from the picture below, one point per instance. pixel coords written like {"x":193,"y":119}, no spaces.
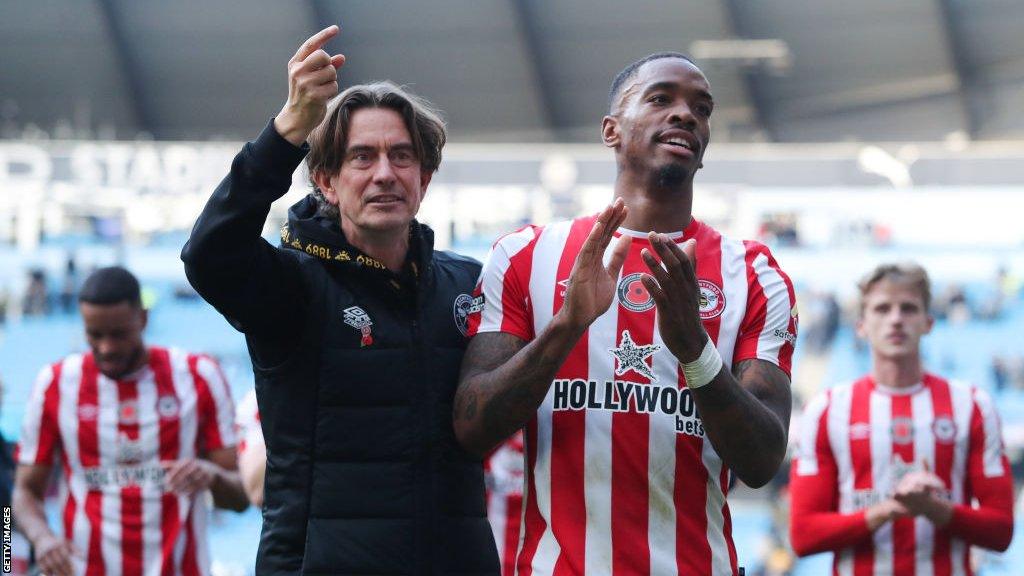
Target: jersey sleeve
{"x":40,"y":431}
{"x":769,"y":327}
{"x":815,"y":524}
{"x":501,"y":301}
{"x":989,"y":524}
{"x":214,"y":408}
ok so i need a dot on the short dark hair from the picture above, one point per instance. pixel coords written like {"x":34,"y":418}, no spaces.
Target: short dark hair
{"x":629,"y":72}
{"x":328,"y":141}
{"x":111,"y":285}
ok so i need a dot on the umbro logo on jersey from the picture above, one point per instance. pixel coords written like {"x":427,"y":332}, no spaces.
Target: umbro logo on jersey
{"x":357,"y":318}
{"x":88,"y":412}
{"x":633,"y":295}
{"x":712,"y":300}
{"x":860,"y":431}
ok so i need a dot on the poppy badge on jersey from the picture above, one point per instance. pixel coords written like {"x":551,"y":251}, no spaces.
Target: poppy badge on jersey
{"x":633,"y":295}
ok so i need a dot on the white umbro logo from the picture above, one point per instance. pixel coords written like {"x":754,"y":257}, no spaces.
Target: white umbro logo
{"x":356,"y":317}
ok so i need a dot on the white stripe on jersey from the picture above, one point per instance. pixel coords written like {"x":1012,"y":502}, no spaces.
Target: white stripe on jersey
{"x":839,"y":437}
{"x":223,"y":407}
{"x":28,"y":445}
{"x":734,"y":286}
{"x":924,"y":451}
{"x":548,"y":548}
{"x":106,"y":424}
{"x":70,"y":378}
{"x":721,"y":563}
{"x":881,"y":473}
{"x":661,"y":464}
{"x":993,"y":453}
{"x":149,"y":439}
{"x":777,"y":318}
{"x":500,"y":257}
{"x":810,"y":422}
{"x":597,"y":451}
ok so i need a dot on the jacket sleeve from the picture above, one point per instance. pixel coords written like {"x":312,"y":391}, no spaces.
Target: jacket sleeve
{"x":989,"y":524}
{"x":256,"y":286}
{"x":815,"y":523}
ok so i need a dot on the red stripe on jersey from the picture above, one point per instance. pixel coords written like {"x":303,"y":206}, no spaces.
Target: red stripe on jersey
{"x":693,"y":551}
{"x":903,"y":537}
{"x":860,"y":454}
{"x":49,"y":424}
{"x":513,"y":515}
{"x":189,"y":562}
{"x":519,"y":287}
{"x":170,"y":522}
{"x":568,"y":431}
{"x":208,"y":432}
{"x":131,"y":496}
{"x":89,"y":456}
{"x":942,"y":407}
{"x":709,"y":267}
{"x":534,"y":524}
{"x":630,"y":442}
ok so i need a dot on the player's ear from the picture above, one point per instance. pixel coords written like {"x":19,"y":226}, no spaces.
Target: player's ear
{"x":610,"y":131}
{"x":425,"y":176}
{"x":323,"y":183}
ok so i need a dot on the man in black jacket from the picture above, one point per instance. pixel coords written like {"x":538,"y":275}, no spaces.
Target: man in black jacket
{"x":356,"y":329}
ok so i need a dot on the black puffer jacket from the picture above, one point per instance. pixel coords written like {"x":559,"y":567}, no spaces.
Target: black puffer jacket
{"x":356,"y":369}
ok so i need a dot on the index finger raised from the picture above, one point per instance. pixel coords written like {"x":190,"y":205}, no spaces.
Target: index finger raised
{"x":314,"y":42}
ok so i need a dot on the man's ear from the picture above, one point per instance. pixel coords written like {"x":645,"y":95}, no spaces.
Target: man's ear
{"x":425,"y":176}
{"x":323,"y":183}
{"x":610,"y":131}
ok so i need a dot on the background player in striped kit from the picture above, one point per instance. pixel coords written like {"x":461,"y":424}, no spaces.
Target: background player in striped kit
{"x":587,"y":346}
{"x":141,"y":433}
{"x":252,"y":449}
{"x":889,"y":465}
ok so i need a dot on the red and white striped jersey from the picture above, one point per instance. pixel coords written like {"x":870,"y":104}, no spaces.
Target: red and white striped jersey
{"x":621,"y":478}
{"x":503,"y":472}
{"x":858,"y":440}
{"x":247,"y":425}
{"x":110,"y":438}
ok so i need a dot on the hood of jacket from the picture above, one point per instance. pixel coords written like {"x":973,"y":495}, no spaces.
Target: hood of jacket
{"x":321,"y":236}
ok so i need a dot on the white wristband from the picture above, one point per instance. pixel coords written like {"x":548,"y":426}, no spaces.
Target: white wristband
{"x":703,"y":370}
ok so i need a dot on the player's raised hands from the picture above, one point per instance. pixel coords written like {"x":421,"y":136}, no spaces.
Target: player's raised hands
{"x":591,"y":283}
{"x":312,"y":82}
{"x":673,"y":286}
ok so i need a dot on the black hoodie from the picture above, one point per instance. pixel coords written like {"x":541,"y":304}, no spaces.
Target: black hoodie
{"x":356,"y":369}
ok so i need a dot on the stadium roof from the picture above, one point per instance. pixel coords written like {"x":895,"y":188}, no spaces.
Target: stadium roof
{"x":519,"y":70}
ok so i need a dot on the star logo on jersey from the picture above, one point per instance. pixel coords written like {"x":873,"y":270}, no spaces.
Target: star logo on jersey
{"x":633,"y":357}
